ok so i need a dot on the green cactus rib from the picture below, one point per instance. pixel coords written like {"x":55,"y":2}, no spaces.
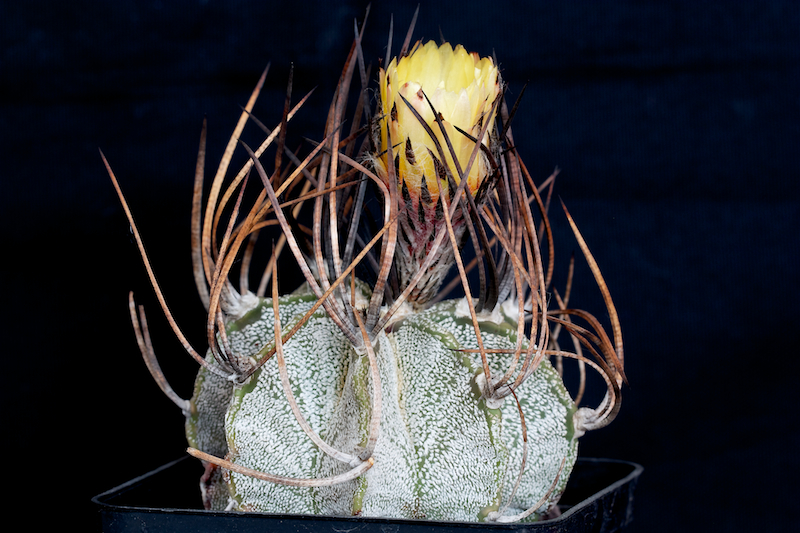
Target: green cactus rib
{"x":436,"y":431}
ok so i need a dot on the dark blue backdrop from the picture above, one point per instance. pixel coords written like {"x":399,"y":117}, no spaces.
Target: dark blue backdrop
{"x":676,"y":126}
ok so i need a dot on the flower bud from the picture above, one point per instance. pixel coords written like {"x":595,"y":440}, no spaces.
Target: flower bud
{"x":462,"y":87}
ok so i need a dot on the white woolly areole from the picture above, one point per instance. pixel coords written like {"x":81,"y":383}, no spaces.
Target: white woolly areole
{"x":511,"y":308}
{"x":405,"y":309}
{"x":491,"y":403}
{"x":494,"y":316}
{"x":238,"y":305}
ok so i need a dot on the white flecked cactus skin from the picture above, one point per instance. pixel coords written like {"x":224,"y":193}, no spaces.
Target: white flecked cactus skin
{"x":384,"y":398}
{"x":443,"y":453}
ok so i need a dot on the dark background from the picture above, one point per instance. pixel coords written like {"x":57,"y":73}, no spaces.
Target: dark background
{"x":676,"y":126}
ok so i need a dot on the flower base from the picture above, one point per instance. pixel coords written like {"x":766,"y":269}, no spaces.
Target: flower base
{"x":598,"y":498}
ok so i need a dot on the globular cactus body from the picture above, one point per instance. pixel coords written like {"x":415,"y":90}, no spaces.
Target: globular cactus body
{"x":443,"y":453}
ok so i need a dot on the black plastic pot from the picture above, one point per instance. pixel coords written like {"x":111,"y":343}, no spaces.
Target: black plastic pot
{"x":598,"y":498}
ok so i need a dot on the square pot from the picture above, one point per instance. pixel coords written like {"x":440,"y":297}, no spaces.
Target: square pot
{"x":598,"y":498}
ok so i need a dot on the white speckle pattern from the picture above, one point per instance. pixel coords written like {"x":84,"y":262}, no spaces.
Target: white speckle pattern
{"x":441,"y":455}
{"x":205,"y":428}
{"x":262,"y":431}
{"x":548,"y":410}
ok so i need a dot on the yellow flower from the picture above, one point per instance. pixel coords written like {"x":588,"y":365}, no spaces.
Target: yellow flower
{"x":462,"y":87}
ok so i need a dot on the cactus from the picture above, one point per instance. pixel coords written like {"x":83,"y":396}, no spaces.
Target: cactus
{"x":376,"y":395}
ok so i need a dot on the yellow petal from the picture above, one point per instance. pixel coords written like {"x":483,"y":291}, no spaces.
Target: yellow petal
{"x":462,"y":87}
